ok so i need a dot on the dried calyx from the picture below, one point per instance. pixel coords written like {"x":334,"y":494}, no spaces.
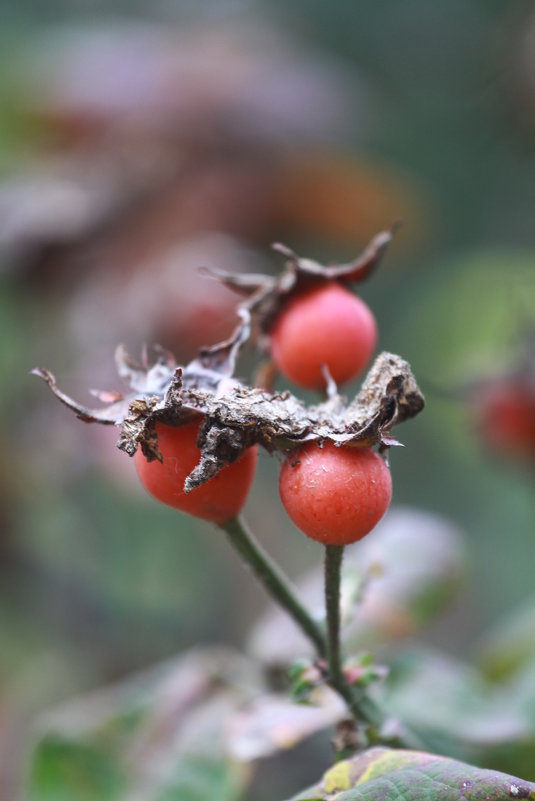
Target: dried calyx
{"x":265,"y":294}
{"x":235,"y":416}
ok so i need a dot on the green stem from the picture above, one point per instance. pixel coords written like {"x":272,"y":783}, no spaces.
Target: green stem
{"x":361,"y":706}
{"x":365,"y":709}
{"x":357,"y":701}
{"x":273,"y":579}
{"x":333,"y":572}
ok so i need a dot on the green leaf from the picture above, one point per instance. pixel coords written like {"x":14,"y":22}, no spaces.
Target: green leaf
{"x":158,"y":737}
{"x":510,"y":644}
{"x":203,"y":778}
{"x":459,"y":712}
{"x":441,"y":696}
{"x":467,"y":333}
{"x":63,"y":770}
{"x":272,"y":722}
{"x":381,"y":774}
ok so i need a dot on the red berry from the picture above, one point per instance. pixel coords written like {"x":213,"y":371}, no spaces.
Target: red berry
{"x":328,"y":325}
{"x":219,"y":499}
{"x":335,"y":495}
{"x":505,"y":416}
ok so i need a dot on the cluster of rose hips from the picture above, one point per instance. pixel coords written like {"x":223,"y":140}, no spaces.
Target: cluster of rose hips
{"x":334,"y":494}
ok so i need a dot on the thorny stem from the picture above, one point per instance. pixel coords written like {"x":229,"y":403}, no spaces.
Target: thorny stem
{"x":363,"y":708}
{"x":273,"y":579}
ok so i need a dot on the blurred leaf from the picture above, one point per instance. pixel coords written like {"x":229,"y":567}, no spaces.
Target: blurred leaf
{"x":458,"y":712}
{"x":471,"y":337}
{"x":510,"y":644}
{"x":62,"y":770}
{"x":160,"y":737}
{"x":519,"y":698}
{"x":273,"y":723}
{"x":184,"y":731}
{"x":520,"y":691}
{"x":394,"y":582}
{"x":467,"y":714}
{"x":390,"y":775}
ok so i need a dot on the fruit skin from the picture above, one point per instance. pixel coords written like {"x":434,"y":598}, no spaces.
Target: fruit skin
{"x":325,"y":324}
{"x":219,"y":499}
{"x":335,"y":495}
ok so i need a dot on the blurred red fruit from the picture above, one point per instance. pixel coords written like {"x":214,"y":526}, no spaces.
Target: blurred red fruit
{"x":504,"y":413}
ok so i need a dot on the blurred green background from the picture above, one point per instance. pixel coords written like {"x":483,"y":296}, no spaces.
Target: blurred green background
{"x":141,"y":140}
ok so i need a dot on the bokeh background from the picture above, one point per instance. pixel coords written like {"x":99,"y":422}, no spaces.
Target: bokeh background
{"x":139,"y":141}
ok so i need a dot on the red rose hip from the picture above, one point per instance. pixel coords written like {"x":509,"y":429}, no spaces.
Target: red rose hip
{"x":219,"y":499}
{"x":504,"y":413}
{"x":335,"y":495}
{"x":326,"y":324}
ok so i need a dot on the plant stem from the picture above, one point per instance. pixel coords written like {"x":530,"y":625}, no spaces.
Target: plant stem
{"x":362,"y":707}
{"x":365,"y":709}
{"x":333,"y":572}
{"x":273,"y":579}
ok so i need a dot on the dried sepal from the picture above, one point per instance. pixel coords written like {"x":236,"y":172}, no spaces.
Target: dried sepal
{"x":265,"y":294}
{"x":353,"y":272}
{"x":107,"y":416}
{"x":237,"y":416}
{"x":223,"y":356}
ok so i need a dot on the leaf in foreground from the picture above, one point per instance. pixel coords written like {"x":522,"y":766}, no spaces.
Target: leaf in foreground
{"x":382,"y":774}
